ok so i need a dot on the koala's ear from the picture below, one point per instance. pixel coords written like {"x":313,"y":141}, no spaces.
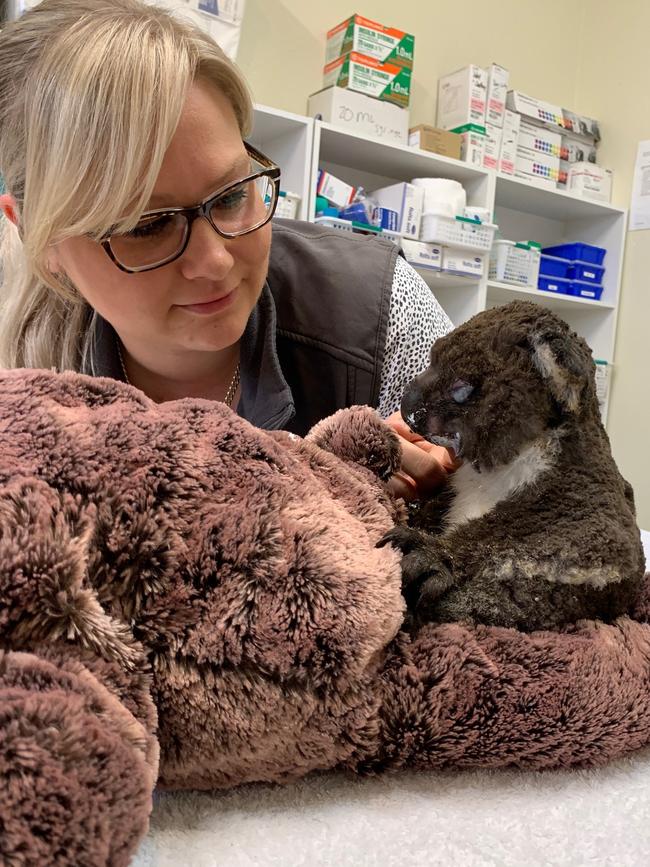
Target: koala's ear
{"x":564,"y":361}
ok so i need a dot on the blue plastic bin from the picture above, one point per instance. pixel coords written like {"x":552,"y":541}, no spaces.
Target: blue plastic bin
{"x":555,"y":284}
{"x":578,"y":251}
{"x":551,"y":266}
{"x":586,"y":273}
{"x":586,"y":290}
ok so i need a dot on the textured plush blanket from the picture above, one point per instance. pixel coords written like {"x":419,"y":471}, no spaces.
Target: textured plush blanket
{"x":187,"y":600}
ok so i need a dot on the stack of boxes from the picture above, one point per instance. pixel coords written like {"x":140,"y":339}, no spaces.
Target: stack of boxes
{"x":471,"y":104}
{"x":366,"y":79}
{"x":557,"y":148}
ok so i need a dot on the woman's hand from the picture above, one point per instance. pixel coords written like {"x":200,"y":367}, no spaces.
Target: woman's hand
{"x":425,"y":466}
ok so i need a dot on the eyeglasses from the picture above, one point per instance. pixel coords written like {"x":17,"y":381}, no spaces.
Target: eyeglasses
{"x":161,"y":236}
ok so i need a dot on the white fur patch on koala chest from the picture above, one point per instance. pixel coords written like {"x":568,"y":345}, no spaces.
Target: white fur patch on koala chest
{"x":476,"y":493}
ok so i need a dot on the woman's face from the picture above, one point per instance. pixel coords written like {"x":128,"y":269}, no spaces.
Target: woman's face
{"x":150,"y":310}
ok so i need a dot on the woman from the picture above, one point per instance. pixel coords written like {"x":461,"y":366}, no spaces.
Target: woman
{"x":139,"y":242}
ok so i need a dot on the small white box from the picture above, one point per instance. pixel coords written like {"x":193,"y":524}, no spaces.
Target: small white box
{"x":590,"y":181}
{"x":535,"y":109}
{"x":359,"y":113}
{"x":535,"y":140}
{"x":463,"y":263}
{"x":602,"y":381}
{"x":509,"y":142}
{"x":472,"y":144}
{"x":334,"y":189}
{"x":538,"y":167}
{"x":462,"y":98}
{"x":422,"y":254}
{"x":407,"y":200}
{"x":497,"y":91}
{"x":492,"y":150}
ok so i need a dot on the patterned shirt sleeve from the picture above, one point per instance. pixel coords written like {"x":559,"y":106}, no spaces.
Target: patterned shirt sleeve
{"x":415,"y":322}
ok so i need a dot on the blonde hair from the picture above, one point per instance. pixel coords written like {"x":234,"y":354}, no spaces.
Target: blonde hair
{"x":91,"y":92}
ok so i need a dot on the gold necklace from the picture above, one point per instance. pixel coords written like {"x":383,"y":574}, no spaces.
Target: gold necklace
{"x":230,"y":394}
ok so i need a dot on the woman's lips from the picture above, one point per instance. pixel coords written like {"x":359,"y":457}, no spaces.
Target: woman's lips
{"x":211,"y":306}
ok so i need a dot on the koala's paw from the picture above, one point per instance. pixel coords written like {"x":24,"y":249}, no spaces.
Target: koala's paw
{"x":359,"y":436}
{"x":425,"y":576}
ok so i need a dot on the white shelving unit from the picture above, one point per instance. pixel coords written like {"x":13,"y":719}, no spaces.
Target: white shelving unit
{"x":524,"y":211}
{"x":288,"y":140}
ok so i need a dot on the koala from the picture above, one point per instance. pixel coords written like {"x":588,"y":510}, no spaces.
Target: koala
{"x":537,"y":528}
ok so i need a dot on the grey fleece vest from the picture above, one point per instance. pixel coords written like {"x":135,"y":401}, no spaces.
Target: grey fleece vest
{"x":315,"y":341}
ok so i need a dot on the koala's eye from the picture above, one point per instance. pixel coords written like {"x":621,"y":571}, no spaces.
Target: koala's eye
{"x":461,"y":390}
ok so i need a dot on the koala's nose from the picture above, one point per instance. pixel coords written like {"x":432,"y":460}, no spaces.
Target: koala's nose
{"x":413,"y":409}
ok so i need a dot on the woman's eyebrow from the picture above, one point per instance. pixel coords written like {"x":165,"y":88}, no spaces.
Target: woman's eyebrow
{"x":239,"y":169}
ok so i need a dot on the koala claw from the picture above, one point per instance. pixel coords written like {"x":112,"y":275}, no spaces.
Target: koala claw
{"x":422,"y":567}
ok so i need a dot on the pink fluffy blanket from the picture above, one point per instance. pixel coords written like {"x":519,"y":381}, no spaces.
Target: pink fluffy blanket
{"x":186,"y":600}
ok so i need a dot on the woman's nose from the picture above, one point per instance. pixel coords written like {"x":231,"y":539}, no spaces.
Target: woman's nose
{"x":207,"y":254}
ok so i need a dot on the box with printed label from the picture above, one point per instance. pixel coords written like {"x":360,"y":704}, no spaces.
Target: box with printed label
{"x":492,"y":151}
{"x":575,"y":150}
{"x":361,"y":114}
{"x":406,"y":200}
{"x":463,"y":263}
{"x":472,"y":144}
{"x":535,"y":109}
{"x":370,"y":77}
{"x":536,"y":140}
{"x":437,"y":141}
{"x":509,"y":142}
{"x":386,"y":44}
{"x":334,"y":189}
{"x":462,"y":98}
{"x":423,"y":254}
{"x":544,"y":170}
{"x":496,"y":95}
{"x":590,"y":181}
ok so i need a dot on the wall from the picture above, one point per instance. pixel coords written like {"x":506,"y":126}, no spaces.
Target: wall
{"x":588,"y":55}
{"x":613,"y":84}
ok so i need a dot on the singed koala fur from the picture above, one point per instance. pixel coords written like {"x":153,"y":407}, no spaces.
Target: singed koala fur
{"x":537,"y":528}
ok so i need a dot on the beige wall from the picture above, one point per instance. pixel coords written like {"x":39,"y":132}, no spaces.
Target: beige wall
{"x":613,"y":84}
{"x":589,"y":56}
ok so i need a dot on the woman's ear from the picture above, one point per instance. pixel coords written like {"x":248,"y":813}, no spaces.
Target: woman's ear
{"x":8,"y":207}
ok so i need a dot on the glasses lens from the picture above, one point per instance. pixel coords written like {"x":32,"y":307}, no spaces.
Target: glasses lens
{"x":245,"y":206}
{"x":154,"y":239}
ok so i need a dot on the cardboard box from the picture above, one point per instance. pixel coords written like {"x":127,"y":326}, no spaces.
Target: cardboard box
{"x":509,"y":142}
{"x":355,"y":112}
{"x":422,"y":254}
{"x":437,"y":141}
{"x":370,"y":77}
{"x":590,"y":181}
{"x":535,"y":109}
{"x":462,"y":97}
{"x":545,"y":171}
{"x":407,"y":200}
{"x":492,"y":150}
{"x":463,"y":263}
{"x":497,"y":92}
{"x":472,"y":144}
{"x":386,"y":44}
{"x":334,"y":189}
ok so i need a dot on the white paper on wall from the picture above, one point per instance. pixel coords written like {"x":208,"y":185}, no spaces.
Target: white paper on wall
{"x":640,"y":207}
{"x":220,"y":18}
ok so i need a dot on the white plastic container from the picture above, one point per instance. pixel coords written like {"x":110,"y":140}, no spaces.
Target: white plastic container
{"x":287,"y":206}
{"x":511,"y":262}
{"x":457,"y":232}
{"x":347,"y":226}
